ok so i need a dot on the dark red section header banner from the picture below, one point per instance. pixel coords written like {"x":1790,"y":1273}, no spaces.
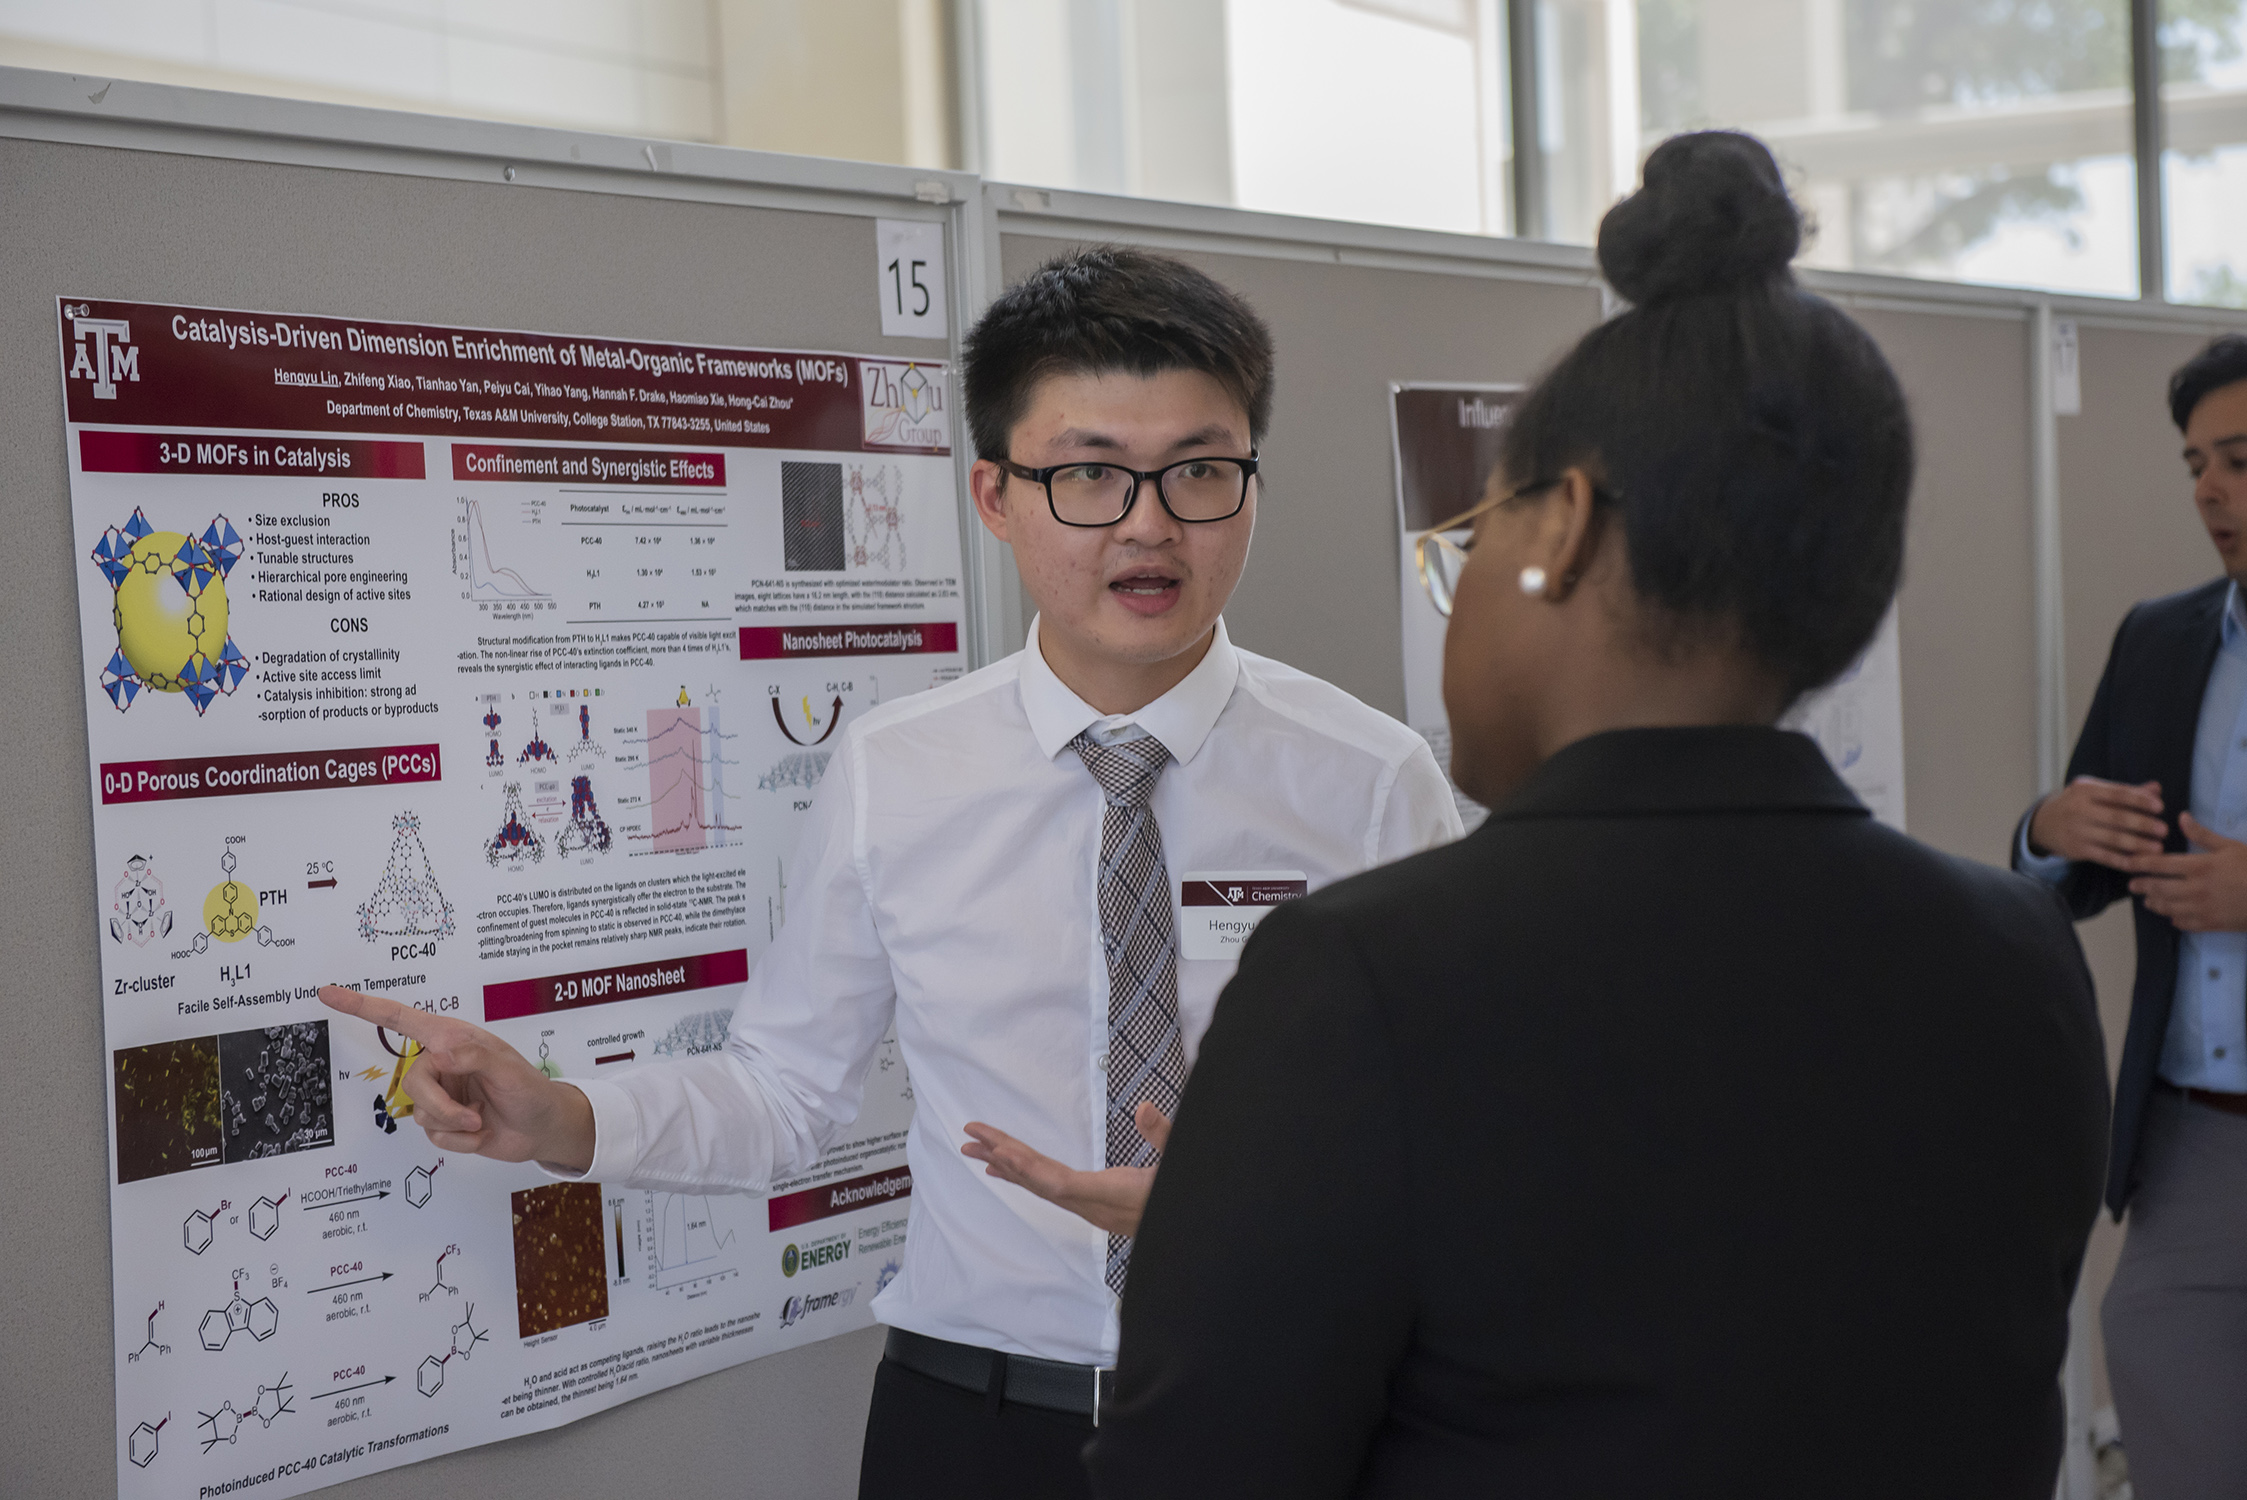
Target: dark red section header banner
{"x":832,"y":1198}
{"x":144,"y":364}
{"x":781,"y":642}
{"x":669,"y":976}
{"x":508,"y":463}
{"x":273,"y":771}
{"x":202,"y":453}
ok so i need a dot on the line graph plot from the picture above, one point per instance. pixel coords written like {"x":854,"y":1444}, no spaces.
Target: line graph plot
{"x":688,"y":1243}
{"x":487,"y":577}
{"x":685,"y":754}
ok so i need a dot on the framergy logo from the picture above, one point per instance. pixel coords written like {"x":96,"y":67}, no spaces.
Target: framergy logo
{"x":103,"y":352}
{"x":796,"y":1309}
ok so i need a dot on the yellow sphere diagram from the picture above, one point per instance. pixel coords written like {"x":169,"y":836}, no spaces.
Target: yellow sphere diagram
{"x":230,"y":911}
{"x":170,"y":611}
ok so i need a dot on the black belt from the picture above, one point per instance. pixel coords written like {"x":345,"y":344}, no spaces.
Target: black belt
{"x":2229,"y":1103}
{"x":1080,"y":1390}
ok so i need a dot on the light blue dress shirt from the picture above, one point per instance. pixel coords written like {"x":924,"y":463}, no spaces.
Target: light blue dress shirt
{"x":2206,"y":1045}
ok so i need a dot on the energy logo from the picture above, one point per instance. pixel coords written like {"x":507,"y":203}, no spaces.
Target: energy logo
{"x":170,"y":611}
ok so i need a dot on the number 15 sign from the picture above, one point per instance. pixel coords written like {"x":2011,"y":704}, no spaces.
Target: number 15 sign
{"x":909,"y":266}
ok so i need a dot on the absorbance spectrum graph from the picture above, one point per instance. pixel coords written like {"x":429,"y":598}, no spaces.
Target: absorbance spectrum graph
{"x":487,"y":579}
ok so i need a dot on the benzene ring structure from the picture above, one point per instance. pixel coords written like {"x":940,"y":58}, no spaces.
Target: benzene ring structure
{"x":258,"y":1319}
{"x":141,"y":1447}
{"x":429,"y":1379}
{"x":170,"y":611}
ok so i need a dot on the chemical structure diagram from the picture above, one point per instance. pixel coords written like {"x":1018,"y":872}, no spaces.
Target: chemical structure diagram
{"x":170,"y":611}
{"x":200,"y":1227}
{"x":394,"y":1103}
{"x":230,"y":914}
{"x":430,"y":1378}
{"x":804,"y":768}
{"x":536,"y":749}
{"x":141,"y":915}
{"x":515,"y":842}
{"x":406,"y":901}
{"x":691,"y":1036}
{"x":874,"y":515}
{"x":148,"y":1344}
{"x":587,"y":830}
{"x":258,"y":1319}
{"x":141,"y":1447}
{"x":586,"y":745}
{"x":419,"y":1185}
{"x":226,"y":1423}
{"x":442,"y":1285}
{"x":493,"y":757}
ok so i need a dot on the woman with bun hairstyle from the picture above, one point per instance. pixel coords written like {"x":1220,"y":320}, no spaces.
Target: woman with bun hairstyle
{"x":1682,"y":1131}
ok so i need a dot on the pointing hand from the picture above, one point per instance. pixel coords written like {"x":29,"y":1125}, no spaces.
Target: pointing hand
{"x":473,"y":1093}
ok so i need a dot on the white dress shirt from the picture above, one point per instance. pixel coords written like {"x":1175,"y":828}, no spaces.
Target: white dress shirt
{"x":946,"y":886}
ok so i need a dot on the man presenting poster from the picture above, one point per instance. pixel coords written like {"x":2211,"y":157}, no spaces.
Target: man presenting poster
{"x":1039,"y":875}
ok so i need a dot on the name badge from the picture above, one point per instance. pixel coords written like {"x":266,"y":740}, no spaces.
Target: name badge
{"x":1218,"y":910}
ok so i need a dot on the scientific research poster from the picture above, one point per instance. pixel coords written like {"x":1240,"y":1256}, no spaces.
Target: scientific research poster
{"x":1445,"y":440}
{"x":495,"y":672}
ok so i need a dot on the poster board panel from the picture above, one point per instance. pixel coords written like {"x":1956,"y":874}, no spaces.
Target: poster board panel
{"x":230,"y":233}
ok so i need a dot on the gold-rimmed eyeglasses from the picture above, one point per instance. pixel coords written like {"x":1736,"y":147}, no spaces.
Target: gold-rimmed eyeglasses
{"x":1441,"y":559}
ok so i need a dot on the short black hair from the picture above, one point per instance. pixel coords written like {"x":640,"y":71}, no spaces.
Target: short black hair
{"x":1754,"y":442}
{"x":2222,"y":363}
{"x":1109,"y":307}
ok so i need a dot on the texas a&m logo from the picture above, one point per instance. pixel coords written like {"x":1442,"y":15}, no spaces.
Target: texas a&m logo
{"x":103,"y":352}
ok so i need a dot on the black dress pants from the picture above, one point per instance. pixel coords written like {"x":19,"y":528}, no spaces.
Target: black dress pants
{"x":926,"y":1440}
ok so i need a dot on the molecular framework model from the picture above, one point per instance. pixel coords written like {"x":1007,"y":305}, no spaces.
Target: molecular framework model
{"x":516,"y":842}
{"x":139,"y":913}
{"x":586,"y":830}
{"x":170,"y":611}
{"x":406,"y":901}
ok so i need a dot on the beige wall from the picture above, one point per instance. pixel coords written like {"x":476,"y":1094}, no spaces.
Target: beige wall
{"x":870,"y":80}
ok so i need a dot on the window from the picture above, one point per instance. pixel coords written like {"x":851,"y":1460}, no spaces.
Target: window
{"x":1980,"y":140}
{"x":2204,"y":163}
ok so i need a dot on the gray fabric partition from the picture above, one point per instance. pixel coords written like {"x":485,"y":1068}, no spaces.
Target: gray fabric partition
{"x":192,"y":229}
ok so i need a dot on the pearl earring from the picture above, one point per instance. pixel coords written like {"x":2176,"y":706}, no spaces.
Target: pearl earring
{"x":1533,"y":581}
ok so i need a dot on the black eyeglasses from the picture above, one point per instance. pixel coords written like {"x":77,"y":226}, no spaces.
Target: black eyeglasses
{"x":1096,"y":494}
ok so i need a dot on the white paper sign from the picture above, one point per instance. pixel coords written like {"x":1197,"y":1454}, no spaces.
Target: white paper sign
{"x":495,"y":671}
{"x":2067,"y":369}
{"x":910,"y":278}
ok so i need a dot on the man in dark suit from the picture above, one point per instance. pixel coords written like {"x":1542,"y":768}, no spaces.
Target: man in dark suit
{"x":2154,"y":806}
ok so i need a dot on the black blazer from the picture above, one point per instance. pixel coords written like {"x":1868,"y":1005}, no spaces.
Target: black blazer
{"x":2141,"y":727}
{"x":1681,"y":1132}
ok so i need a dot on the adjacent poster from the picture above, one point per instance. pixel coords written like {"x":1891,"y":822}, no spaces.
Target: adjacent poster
{"x":493,"y":671}
{"x":1445,"y":440}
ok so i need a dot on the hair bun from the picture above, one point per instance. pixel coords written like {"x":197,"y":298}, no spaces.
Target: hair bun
{"x":1712,"y":216}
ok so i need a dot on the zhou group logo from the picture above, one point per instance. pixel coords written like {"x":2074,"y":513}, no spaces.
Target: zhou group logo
{"x":796,"y":1309}
{"x":904,"y":405}
{"x":103,"y":352}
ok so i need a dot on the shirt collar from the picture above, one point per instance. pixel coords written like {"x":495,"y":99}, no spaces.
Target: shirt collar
{"x":1662,"y":772}
{"x":1181,"y":718}
{"x":2235,"y":619}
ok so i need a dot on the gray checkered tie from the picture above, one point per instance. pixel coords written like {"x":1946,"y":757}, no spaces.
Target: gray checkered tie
{"x":1146,"y":1055}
